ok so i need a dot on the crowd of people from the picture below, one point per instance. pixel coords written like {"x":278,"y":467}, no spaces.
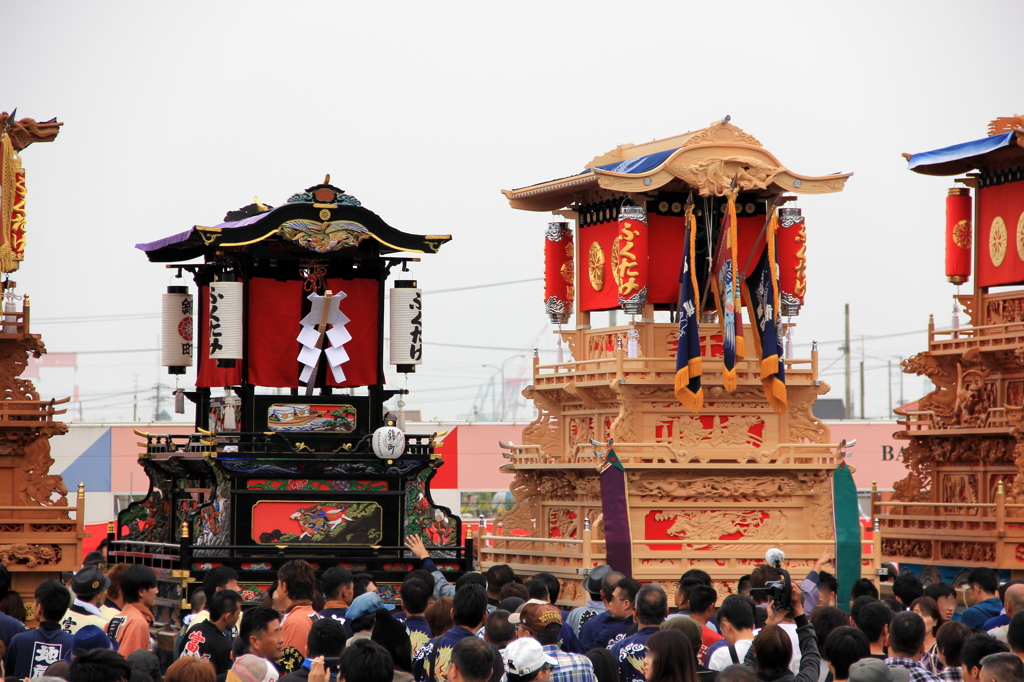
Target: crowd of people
{"x":498,"y":626}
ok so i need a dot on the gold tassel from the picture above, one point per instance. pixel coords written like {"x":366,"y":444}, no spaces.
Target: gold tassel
{"x":695,"y":367}
{"x":694,"y":402}
{"x":741,"y":345}
{"x":729,"y":379}
{"x":775,"y":393}
{"x":769,"y":366}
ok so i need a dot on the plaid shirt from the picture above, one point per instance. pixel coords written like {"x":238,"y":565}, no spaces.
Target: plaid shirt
{"x":918,"y":673}
{"x":952,"y":674}
{"x":570,"y":667}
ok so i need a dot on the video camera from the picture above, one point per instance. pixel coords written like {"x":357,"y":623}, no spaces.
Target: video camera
{"x":778,"y":592}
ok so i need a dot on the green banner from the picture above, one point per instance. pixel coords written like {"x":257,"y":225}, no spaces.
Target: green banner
{"x":846,"y":515}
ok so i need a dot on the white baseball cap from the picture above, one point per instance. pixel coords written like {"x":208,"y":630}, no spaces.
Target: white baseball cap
{"x":525,"y":656}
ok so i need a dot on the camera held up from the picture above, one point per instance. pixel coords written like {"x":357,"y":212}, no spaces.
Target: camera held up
{"x":778,"y":592}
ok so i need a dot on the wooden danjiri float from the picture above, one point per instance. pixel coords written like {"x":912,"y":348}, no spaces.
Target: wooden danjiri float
{"x":962,"y":502}
{"x":40,"y":537}
{"x":715,"y":453}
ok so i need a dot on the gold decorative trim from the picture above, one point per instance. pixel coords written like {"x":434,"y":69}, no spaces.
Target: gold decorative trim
{"x":596,"y":266}
{"x":253,"y":241}
{"x":997,"y":241}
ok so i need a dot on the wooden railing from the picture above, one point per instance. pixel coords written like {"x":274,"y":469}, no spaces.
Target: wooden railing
{"x":527,"y":553}
{"x":940,"y":531}
{"x":14,"y":413}
{"x":43,"y":526}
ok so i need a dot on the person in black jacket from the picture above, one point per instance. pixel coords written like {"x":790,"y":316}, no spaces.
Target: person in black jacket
{"x":206,"y":639}
{"x":772,"y":649}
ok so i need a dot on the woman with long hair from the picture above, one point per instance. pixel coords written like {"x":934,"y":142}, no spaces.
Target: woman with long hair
{"x":928,"y":609}
{"x":670,"y":658}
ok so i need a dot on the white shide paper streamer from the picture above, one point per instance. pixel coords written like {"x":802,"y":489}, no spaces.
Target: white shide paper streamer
{"x":337,"y":335}
{"x":225,"y":320}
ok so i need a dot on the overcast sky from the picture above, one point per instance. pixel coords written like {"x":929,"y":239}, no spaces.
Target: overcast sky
{"x":176,"y":112}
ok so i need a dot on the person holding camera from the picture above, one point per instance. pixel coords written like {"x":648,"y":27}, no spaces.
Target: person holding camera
{"x":772,"y":650}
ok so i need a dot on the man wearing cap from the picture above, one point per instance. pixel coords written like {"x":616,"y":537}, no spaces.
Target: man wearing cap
{"x":362,"y":614}
{"x":90,"y":588}
{"x":87,"y":638}
{"x":252,"y":668}
{"x":469,"y":610}
{"x":206,"y":639}
{"x":649,"y":612}
{"x":594,"y":584}
{"x":874,"y":670}
{"x":543,"y":622}
{"x":526,"y":661}
{"x":610,"y":626}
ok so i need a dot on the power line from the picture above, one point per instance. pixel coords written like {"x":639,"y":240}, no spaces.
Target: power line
{"x":484,"y":286}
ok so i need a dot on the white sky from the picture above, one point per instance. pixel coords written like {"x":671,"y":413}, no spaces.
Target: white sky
{"x":177,"y":112}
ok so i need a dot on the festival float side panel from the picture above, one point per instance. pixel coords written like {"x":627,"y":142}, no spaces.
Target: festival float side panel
{"x":40,"y":539}
{"x":691,"y":443}
{"x":293,"y":454}
{"x":962,"y":502}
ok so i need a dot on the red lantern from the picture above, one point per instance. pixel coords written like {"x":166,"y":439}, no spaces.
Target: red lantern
{"x":958,"y":235}
{"x":629,"y":259}
{"x":559,"y":273}
{"x":791,"y":249}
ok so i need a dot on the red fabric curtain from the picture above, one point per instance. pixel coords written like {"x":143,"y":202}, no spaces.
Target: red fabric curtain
{"x":360,"y":305}
{"x":603,"y":235}
{"x":1000,"y":214}
{"x":208,"y":374}
{"x":665,"y":255}
{"x":275,"y":312}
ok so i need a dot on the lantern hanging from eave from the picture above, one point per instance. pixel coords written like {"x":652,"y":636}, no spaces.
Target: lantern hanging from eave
{"x":406,"y":326}
{"x":791,"y":250}
{"x":176,"y":333}
{"x":559,"y":273}
{"x":226,"y":332}
{"x":958,"y":235}
{"x":629,"y":259}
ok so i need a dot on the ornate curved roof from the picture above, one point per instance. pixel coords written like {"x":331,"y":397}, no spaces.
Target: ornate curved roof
{"x":320,"y":220}
{"x":705,"y":160}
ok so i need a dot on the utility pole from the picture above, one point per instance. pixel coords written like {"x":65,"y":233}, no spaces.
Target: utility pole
{"x":135,"y":400}
{"x":902,"y":400}
{"x":890,"y":388}
{"x":862,"y":389}
{"x":846,"y":352}
{"x":156,"y":410}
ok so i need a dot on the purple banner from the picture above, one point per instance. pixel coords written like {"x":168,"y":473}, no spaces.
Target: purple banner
{"x":618,"y":543}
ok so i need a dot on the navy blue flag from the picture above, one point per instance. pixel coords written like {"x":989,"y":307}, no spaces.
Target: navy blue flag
{"x":688,"y":351}
{"x":763,"y":301}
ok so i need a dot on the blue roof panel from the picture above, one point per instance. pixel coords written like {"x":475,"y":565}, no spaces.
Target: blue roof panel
{"x":639,"y":165}
{"x":959,"y":152}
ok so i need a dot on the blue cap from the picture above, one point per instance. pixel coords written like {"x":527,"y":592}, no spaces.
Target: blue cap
{"x":366,"y":604}
{"x":89,"y":637}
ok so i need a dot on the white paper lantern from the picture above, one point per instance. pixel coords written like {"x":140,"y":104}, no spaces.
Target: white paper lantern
{"x":225,"y":320}
{"x":406,"y":326}
{"x":176,"y":346}
{"x":388,"y":442}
